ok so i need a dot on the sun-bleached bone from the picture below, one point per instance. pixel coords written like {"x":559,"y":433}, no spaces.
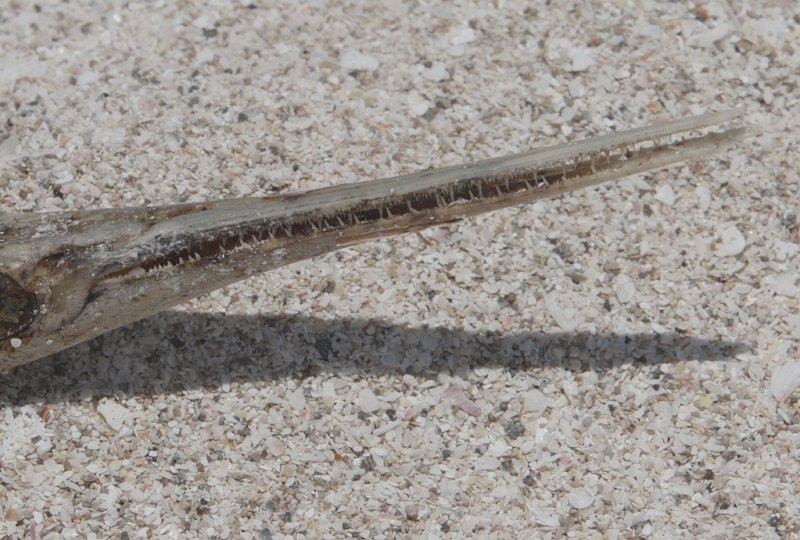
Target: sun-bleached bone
{"x":66,"y":277}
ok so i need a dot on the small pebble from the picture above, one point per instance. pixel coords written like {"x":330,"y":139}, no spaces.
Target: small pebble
{"x":534,"y":401}
{"x":703,"y":197}
{"x":412,"y":512}
{"x":358,"y":61}
{"x":785,"y":250}
{"x":296,"y":399}
{"x":367,"y":401}
{"x":203,"y":22}
{"x":514,"y":430}
{"x":589,"y":378}
{"x":418,"y":104}
{"x":785,"y":380}
{"x":581,"y":60}
{"x":487,"y":463}
{"x":624,"y":288}
{"x":546,"y":516}
{"x":276,"y":446}
{"x":564,"y":321}
{"x":498,"y":449}
{"x":704,"y":402}
{"x":708,"y":38}
{"x":730,"y":241}
{"x":664,"y":194}
{"x":576,"y":88}
{"x":437,"y":72}
{"x":114,"y":414}
{"x":460,"y":400}
{"x":386,"y":428}
{"x":580,"y":498}
{"x":462,"y":36}
{"x":784,"y":285}
{"x":328,"y":393}
{"x":204,"y":55}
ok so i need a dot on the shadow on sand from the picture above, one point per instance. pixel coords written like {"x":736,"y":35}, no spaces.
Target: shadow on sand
{"x":177,"y":351}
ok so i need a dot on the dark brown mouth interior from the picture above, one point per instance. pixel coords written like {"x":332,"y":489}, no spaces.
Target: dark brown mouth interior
{"x":17,"y":307}
{"x":218,"y":243}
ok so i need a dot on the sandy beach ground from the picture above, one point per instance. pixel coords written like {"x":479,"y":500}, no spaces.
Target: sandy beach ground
{"x":616,"y":363}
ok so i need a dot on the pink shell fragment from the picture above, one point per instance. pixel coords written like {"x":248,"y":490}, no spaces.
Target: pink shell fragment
{"x":459,"y":398}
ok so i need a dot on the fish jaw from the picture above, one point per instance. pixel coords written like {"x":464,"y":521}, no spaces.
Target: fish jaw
{"x":67,"y":277}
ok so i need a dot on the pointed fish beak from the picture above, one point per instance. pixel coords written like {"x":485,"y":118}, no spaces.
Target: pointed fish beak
{"x":66,"y":277}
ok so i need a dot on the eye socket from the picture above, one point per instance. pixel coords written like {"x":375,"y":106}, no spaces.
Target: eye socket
{"x":17,"y":307}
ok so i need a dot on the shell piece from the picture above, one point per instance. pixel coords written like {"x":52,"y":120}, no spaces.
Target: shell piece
{"x":785,"y":380}
{"x":459,"y":398}
{"x":580,"y":498}
{"x":115,"y":415}
{"x":730,"y":242}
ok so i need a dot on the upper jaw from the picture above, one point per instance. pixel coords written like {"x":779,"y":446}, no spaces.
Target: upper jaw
{"x":66,"y":277}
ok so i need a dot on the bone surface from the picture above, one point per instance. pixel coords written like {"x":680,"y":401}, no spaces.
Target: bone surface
{"x":66,"y":277}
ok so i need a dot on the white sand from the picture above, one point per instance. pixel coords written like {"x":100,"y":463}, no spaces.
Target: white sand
{"x":605,"y":365}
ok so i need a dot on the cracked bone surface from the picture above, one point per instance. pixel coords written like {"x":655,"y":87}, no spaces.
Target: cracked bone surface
{"x":66,"y":277}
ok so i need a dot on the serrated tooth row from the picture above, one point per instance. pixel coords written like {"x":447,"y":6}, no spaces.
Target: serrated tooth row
{"x":467,"y":190}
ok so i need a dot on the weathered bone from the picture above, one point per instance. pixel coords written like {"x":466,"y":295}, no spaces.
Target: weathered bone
{"x":66,"y":277}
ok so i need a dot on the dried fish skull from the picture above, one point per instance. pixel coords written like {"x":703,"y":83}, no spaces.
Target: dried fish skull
{"x":66,"y":277}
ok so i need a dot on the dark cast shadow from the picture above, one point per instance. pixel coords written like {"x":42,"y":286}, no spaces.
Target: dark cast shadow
{"x":175,"y":352}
